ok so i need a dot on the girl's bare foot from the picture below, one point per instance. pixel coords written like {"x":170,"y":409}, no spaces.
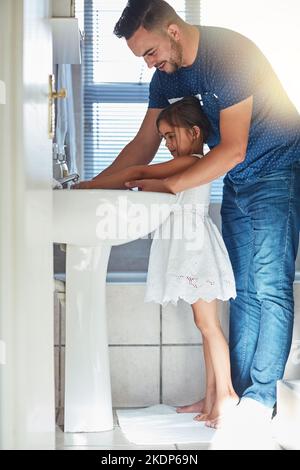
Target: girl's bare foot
{"x":203,"y":407}
{"x":220,"y":408}
{"x":209,"y":401}
{"x":201,"y":417}
{"x":194,"y":408}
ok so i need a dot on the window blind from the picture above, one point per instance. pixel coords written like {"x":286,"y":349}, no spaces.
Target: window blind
{"x":116,"y":84}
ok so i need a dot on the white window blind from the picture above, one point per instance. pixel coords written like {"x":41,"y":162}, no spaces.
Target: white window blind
{"x":116,"y":84}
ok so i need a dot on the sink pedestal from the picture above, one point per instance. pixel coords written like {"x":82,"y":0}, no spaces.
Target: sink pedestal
{"x":89,"y":222}
{"x":88,"y":406}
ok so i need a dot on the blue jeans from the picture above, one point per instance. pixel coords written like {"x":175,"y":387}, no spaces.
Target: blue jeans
{"x":260,"y":226}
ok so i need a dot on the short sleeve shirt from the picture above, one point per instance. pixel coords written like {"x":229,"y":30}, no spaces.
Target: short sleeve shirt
{"x":228,"y":69}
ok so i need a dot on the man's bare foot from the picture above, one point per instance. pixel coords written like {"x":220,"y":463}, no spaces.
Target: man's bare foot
{"x":220,"y":408}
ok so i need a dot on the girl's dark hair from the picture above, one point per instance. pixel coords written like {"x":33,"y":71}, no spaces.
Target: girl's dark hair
{"x":186,"y":113}
{"x":150,"y":14}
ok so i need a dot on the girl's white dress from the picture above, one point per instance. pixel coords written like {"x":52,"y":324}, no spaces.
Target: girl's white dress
{"x":188,"y":258}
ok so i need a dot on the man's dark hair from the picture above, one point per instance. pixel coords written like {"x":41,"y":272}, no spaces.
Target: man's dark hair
{"x":150,"y":14}
{"x":186,"y":113}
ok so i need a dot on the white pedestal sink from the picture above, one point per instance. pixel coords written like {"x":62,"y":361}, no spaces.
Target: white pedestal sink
{"x":90,"y":222}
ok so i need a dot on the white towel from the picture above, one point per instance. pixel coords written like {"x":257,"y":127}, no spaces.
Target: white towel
{"x":160,"y":424}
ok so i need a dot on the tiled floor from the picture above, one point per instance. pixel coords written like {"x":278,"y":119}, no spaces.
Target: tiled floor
{"x":111,"y":440}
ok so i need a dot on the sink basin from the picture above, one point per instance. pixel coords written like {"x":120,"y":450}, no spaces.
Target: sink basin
{"x":90,"y":222}
{"x":89,"y":217}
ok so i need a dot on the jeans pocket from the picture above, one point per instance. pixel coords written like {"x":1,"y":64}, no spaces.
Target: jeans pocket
{"x":280,"y":174}
{"x":278,"y":178}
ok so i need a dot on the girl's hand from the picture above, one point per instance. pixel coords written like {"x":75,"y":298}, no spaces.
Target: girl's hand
{"x":154,"y":185}
{"x":83,"y":185}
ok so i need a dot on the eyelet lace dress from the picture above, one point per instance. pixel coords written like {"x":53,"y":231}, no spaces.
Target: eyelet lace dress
{"x":188,"y":258}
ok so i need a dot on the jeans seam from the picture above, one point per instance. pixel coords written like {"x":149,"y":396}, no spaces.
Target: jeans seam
{"x":247,"y":315}
{"x":279,"y":365}
{"x":287,"y":229}
{"x":237,"y":204}
{"x":285,"y":249}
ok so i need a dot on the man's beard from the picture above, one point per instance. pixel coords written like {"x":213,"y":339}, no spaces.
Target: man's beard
{"x":176,"y":58}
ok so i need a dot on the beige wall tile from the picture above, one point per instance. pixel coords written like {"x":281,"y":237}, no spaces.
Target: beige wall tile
{"x":178,"y":324}
{"x":183,"y":374}
{"x":135,"y":375}
{"x":131,"y":320}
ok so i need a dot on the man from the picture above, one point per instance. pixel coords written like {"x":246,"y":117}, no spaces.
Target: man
{"x":255,"y":141}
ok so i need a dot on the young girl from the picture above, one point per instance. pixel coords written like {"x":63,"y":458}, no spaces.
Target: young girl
{"x":188,"y":258}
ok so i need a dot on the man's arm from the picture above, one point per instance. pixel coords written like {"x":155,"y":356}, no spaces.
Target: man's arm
{"x":234,"y":131}
{"x":141,"y":150}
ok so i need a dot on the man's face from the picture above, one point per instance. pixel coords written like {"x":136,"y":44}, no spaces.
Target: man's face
{"x":159,"y":49}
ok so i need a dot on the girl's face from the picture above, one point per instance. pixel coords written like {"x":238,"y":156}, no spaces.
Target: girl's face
{"x":179,"y":141}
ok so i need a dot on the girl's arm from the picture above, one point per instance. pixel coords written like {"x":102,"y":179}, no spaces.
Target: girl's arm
{"x":159,"y":170}
{"x":113,"y":181}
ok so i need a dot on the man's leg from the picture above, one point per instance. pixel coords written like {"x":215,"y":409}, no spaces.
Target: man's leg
{"x":274,"y":208}
{"x":239,"y":237}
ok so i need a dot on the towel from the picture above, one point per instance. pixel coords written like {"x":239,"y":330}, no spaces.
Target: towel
{"x":160,"y":424}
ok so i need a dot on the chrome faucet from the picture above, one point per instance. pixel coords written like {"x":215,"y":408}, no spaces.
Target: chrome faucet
{"x":74,"y":177}
{"x":60,"y":169}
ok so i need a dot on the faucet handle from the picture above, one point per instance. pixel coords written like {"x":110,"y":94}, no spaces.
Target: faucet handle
{"x":74,"y":177}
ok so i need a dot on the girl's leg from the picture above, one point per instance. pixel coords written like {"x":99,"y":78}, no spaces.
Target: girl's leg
{"x":205,"y":405}
{"x":207,"y":320}
{"x":210,"y":390}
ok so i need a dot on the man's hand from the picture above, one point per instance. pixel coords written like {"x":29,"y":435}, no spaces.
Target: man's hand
{"x":153,"y":185}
